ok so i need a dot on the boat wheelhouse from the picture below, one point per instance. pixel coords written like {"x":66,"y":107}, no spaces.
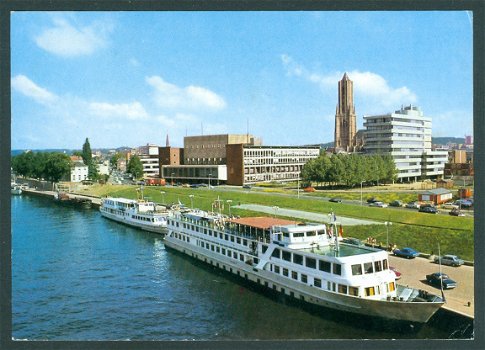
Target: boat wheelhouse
{"x":305,"y":261}
{"x":142,"y":214}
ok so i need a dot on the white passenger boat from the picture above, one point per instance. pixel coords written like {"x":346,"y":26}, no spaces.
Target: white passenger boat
{"x":15,"y":189}
{"x":303,"y":261}
{"x":142,"y":214}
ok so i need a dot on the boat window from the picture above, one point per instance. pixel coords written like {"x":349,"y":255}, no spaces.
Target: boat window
{"x":217,"y":249}
{"x":264,"y":248}
{"x":232,"y":238}
{"x":241,"y":257}
{"x":212,"y":247}
{"x":342,"y":288}
{"x":391,"y":287}
{"x":224,"y":251}
{"x":229,"y":253}
{"x":245,"y":242}
{"x":286,"y":234}
{"x":304,"y":278}
{"x":354,"y":291}
{"x":369,"y":291}
{"x":286,"y":255}
{"x":324,"y":265}
{"x":294,"y":275}
{"x":321,"y":232}
{"x":378,"y":266}
{"x":384,"y":262}
{"x":220,"y":235}
{"x":311,"y":233}
{"x":298,"y":234}
{"x":337,"y":269}
{"x":226,"y":237}
{"x":234,"y":255}
{"x":238,"y":240}
{"x":298,"y":259}
{"x":317,"y":282}
{"x":276,"y":269}
{"x":310,"y":262}
{"x":356,"y":269}
{"x":207,"y":245}
{"x":276,"y":253}
{"x":368,"y":267}
{"x":285,"y":272}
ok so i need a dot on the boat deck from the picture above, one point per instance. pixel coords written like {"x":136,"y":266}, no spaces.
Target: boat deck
{"x":344,"y":250}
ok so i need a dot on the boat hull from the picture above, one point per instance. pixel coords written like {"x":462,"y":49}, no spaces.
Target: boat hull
{"x":412,"y":312}
{"x":155,"y":229}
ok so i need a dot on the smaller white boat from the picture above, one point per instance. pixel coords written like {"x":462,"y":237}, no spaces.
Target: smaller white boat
{"x":140,"y":213}
{"x":15,"y":189}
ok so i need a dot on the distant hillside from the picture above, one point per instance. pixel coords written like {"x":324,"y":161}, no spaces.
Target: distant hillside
{"x":446,"y":140}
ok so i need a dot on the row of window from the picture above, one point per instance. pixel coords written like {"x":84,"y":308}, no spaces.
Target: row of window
{"x":312,"y":263}
{"x":369,"y":267}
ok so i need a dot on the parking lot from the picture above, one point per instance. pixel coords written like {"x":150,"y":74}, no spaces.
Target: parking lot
{"x":414,"y":273}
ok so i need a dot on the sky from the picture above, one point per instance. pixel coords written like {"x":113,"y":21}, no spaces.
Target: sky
{"x":132,"y":78}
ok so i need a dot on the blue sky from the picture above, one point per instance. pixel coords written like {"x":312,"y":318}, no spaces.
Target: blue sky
{"x":131,"y":78}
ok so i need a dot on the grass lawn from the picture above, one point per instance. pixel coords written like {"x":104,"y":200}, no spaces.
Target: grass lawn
{"x":410,"y":228}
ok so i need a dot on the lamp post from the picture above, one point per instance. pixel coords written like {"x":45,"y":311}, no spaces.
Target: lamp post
{"x":229,"y":201}
{"x":361,"y":193}
{"x":275,"y":210}
{"x":298,"y":187}
{"x":172,"y":177}
{"x":387,"y":223}
{"x":210,"y":181}
{"x":163,"y":196}
{"x":191,"y":200}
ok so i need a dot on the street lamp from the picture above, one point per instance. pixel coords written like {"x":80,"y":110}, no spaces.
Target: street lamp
{"x":298,"y":187}
{"x":163,"y":196}
{"x":172,"y":177}
{"x":191,"y":200}
{"x":387,"y":223}
{"x":229,"y":201}
{"x":275,"y":210}
{"x":210,"y":181}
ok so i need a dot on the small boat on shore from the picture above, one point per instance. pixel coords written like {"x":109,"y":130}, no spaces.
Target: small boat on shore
{"x":308,"y":262}
{"x":15,"y":189}
{"x":139,"y":213}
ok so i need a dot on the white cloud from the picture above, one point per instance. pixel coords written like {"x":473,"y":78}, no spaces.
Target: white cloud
{"x":191,"y":97}
{"x":133,"y":110}
{"x":370,"y":88}
{"x":27,"y":87}
{"x":67,"y":40}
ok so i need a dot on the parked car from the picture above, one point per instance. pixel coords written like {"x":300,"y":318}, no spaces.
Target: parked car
{"x":428,"y":209}
{"x":335,"y":200}
{"x":451,"y":260}
{"x":396,"y":204}
{"x":396,"y":272}
{"x":464,"y":203}
{"x":309,"y":189}
{"x":456,"y":212}
{"x":450,"y":205}
{"x":413,"y":205}
{"x":408,"y":253}
{"x":378,"y":204}
{"x":436,"y":278}
{"x":247,"y":186}
{"x":354,"y":241}
{"x":372,"y":200}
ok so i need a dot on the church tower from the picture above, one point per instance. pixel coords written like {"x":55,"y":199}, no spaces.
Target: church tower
{"x":345,"y":119}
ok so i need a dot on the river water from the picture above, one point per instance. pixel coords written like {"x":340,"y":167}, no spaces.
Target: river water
{"x":79,"y":276}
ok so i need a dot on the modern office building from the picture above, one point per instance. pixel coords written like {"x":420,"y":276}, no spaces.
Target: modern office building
{"x":345,"y":118}
{"x":232,"y":159}
{"x":250,"y":164}
{"x":406,"y":136}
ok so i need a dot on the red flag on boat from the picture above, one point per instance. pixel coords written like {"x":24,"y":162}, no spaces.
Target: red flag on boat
{"x":341,"y":231}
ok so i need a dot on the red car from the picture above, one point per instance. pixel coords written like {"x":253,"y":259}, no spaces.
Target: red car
{"x":396,"y":272}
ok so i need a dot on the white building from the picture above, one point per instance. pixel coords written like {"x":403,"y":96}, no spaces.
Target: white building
{"x":79,"y":171}
{"x":406,"y":136}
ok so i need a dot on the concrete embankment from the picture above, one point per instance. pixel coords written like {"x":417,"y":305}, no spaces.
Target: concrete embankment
{"x":69,"y":197}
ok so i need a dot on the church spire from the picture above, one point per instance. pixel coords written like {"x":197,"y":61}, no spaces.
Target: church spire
{"x":167,"y":142}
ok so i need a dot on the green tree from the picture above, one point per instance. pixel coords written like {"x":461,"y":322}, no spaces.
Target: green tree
{"x":58,"y":165}
{"x":87,"y":155}
{"x":114,"y":159}
{"x":135,"y":167}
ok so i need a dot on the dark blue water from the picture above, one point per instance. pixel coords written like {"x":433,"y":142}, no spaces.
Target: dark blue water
{"x":79,"y":276}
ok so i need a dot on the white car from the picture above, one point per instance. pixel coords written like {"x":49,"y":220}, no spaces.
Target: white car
{"x":378,"y":204}
{"x":450,"y":205}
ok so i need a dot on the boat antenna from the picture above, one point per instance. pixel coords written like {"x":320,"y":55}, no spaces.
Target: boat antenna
{"x":441,"y":276}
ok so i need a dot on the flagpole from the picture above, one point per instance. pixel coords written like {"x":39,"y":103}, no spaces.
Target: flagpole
{"x":441,"y":276}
